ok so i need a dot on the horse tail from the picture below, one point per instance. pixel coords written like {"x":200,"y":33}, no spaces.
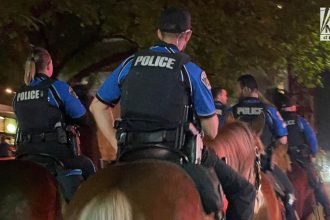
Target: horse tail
{"x":109,"y":206}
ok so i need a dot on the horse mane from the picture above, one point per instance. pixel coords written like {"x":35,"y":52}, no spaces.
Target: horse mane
{"x":108,"y":206}
{"x":236,"y":142}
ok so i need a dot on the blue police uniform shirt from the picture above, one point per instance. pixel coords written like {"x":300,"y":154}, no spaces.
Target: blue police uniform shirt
{"x":273,"y":119}
{"x":72,"y":105}
{"x":221,"y":110}
{"x":309,"y":134}
{"x":109,"y":93}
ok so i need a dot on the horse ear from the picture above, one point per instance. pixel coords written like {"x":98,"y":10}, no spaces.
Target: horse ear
{"x":258,"y":124}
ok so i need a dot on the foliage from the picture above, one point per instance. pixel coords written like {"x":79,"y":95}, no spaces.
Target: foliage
{"x":229,"y":36}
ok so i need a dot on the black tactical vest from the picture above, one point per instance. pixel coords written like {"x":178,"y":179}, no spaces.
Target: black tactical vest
{"x":155,"y":92}
{"x":248,"y":112}
{"x":34,"y":114}
{"x":295,"y":133}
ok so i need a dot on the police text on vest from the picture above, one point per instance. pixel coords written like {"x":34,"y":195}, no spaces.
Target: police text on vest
{"x":249,"y":111}
{"x":29,"y":95}
{"x":157,"y":61}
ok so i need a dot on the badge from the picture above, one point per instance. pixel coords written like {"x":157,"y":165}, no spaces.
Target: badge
{"x":205,"y":80}
{"x":72,"y":92}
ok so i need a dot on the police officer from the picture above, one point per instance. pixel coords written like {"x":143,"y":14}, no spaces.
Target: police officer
{"x":46,"y":109}
{"x":302,"y":147}
{"x":248,"y":109}
{"x":220,"y":98}
{"x":164,"y":71}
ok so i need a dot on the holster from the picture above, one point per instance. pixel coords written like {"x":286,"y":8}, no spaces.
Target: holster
{"x":194,"y":145}
{"x":73,"y":139}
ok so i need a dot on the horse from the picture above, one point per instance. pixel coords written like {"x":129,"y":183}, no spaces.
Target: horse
{"x":305,"y":204}
{"x":28,"y":191}
{"x":237,"y":144}
{"x":141,"y":190}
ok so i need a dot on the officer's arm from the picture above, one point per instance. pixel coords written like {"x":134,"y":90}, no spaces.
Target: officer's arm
{"x":279,"y":126}
{"x":210,"y":126}
{"x":104,"y":119}
{"x":309,"y":136}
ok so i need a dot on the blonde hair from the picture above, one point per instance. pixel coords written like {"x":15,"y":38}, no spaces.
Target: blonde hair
{"x":36,"y":62}
{"x":109,"y":206}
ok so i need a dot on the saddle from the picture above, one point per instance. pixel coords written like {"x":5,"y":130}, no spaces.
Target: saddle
{"x":205,"y":180}
{"x":68,"y":179}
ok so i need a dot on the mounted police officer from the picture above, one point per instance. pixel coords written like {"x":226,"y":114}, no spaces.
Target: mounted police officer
{"x":168,"y":129}
{"x":248,"y":109}
{"x":302,"y":147}
{"x":47,"y":111}
{"x":220,"y":97}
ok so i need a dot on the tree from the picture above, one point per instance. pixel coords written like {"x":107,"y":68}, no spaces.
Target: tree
{"x":229,"y":36}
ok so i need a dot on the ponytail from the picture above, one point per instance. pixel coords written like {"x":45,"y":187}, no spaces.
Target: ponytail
{"x":36,"y":63}
{"x":30,"y":69}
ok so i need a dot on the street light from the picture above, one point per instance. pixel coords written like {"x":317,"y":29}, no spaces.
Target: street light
{"x":9,"y":91}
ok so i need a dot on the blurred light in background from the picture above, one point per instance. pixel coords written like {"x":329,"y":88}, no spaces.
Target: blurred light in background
{"x":9,"y":91}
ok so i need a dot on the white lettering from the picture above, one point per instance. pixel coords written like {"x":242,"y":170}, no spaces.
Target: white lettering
{"x":162,"y":61}
{"x":33,"y":94}
{"x":17,"y":97}
{"x":157,"y":61}
{"x":170,"y":63}
{"x":290,"y":122}
{"x":145,"y":60}
{"x":151,"y":61}
{"x":249,"y":111}
{"x":138,"y":60}
{"x":29,"y":95}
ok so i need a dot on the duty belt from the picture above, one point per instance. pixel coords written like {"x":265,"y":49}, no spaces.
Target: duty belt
{"x":37,"y":138}
{"x":147,"y":137}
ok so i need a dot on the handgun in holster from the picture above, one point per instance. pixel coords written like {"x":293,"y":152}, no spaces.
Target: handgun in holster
{"x":62,"y":136}
{"x":266,"y":159}
{"x":191,"y":139}
{"x":73,"y":138}
{"x":194,"y":144}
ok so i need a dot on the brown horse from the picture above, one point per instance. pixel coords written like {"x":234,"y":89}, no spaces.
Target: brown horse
{"x":305,"y":203}
{"x":144,"y":190}
{"x":237,"y":143}
{"x":28,"y":191}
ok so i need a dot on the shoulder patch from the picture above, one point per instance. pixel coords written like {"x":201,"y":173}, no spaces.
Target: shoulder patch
{"x":205,"y":80}
{"x":72,"y":92}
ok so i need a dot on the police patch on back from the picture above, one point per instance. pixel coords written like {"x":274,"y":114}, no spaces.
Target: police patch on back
{"x":29,"y":95}
{"x":249,"y":110}
{"x":290,"y":122}
{"x":155,"y":61}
